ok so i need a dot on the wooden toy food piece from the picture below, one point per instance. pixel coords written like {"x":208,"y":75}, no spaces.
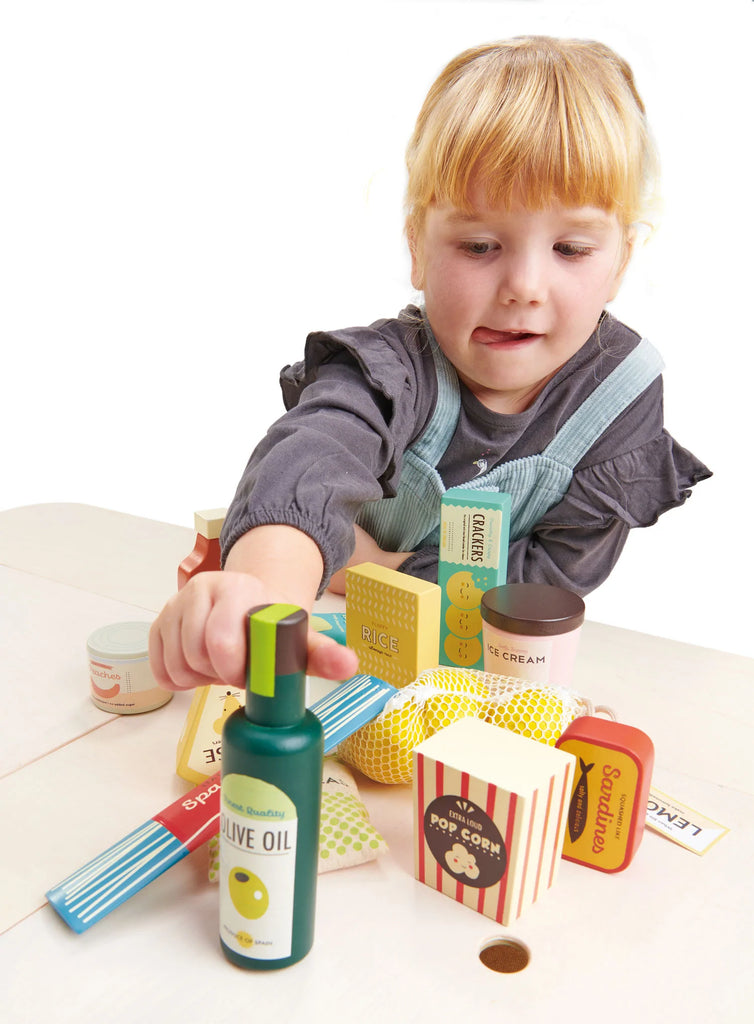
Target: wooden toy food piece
{"x":198,"y":754}
{"x":610,"y":791}
{"x":474,"y":530}
{"x":489,"y":816}
{"x":114,"y":876}
{"x":440,"y":696}
{"x":392,"y":622}
{"x":205,"y":556}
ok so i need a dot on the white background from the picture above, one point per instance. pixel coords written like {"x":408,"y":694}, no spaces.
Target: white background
{"x":187,"y":189}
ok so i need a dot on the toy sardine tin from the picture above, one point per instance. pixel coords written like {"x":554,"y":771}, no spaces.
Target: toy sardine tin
{"x":608,"y":802}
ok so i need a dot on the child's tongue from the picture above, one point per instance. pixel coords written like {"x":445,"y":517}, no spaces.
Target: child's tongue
{"x":487,"y":335}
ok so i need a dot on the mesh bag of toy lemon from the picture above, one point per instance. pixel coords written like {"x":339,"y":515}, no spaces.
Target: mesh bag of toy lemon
{"x":382,"y":750}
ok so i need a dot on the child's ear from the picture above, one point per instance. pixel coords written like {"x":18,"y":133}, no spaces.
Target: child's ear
{"x":414,"y":248}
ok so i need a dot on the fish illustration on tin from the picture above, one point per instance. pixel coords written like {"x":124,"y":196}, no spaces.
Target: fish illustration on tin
{"x":577,"y":810}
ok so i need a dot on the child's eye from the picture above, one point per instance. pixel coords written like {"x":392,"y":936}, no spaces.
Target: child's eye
{"x":572,"y":250}
{"x":477,"y":247}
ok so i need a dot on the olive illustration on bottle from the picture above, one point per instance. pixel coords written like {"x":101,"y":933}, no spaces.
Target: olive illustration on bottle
{"x":248,"y":893}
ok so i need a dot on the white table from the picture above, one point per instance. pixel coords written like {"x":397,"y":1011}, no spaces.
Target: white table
{"x":667,"y":940}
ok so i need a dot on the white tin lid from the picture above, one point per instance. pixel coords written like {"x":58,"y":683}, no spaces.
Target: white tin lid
{"x":121,"y":640}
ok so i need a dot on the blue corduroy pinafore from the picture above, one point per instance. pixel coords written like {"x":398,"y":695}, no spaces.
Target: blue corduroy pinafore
{"x":536,"y":483}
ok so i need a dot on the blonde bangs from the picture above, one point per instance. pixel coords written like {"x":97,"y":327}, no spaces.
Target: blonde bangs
{"x":533,"y":120}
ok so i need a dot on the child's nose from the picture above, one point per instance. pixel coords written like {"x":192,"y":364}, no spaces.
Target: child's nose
{"x":523,"y":280}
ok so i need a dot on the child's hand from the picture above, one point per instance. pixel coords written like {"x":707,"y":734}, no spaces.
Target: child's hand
{"x":200,"y":635}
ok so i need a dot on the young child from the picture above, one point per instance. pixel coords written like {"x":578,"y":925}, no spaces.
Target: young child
{"x":529,"y":170}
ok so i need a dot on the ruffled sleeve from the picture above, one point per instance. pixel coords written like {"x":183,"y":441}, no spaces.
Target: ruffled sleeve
{"x":353,"y":405}
{"x":636,"y":487}
{"x":577,"y":543}
{"x":388,"y":370}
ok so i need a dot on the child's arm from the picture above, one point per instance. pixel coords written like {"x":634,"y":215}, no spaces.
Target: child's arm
{"x":198,"y":637}
{"x":366,"y":549}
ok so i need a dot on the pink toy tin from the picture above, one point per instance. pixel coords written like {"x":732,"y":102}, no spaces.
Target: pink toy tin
{"x":531,"y":630}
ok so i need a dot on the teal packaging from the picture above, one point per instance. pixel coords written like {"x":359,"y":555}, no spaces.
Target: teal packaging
{"x":474,"y":532}
{"x":332,"y":624}
{"x":270,"y":800}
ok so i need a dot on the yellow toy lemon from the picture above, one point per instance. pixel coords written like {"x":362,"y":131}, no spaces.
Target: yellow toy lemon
{"x":539,"y":714}
{"x":382,"y":750}
{"x":459,"y":695}
{"x":440,"y":711}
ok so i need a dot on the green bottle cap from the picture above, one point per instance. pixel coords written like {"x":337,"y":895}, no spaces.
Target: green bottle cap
{"x":277,"y":649}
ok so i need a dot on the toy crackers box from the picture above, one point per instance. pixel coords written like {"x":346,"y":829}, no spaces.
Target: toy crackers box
{"x":490,"y":810}
{"x":474,"y":532}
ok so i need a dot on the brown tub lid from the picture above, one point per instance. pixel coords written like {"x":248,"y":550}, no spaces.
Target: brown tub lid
{"x":532,"y":609}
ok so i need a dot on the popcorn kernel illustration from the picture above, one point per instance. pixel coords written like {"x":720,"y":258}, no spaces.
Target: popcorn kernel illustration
{"x":461,"y":862}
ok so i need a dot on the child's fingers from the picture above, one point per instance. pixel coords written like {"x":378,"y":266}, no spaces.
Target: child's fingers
{"x":225,"y":636}
{"x":157,"y":657}
{"x":169,"y":666}
{"x":178,"y":649}
{"x":227,"y":646}
{"x":329,"y":659}
{"x":195,"y":627}
{"x":199,"y":638}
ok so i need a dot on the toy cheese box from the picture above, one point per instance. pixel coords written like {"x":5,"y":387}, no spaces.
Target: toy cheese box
{"x":474,"y":530}
{"x":392,"y":622}
{"x":490,"y":811}
{"x":199,"y":751}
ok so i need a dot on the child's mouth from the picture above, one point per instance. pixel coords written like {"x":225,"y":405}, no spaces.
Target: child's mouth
{"x":487,"y":336}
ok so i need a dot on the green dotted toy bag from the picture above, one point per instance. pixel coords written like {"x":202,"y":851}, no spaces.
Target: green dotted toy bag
{"x":346,"y":836}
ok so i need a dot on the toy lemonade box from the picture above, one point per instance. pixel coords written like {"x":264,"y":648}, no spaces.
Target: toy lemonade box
{"x":474,"y":532}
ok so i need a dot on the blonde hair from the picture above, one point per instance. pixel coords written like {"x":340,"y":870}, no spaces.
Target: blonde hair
{"x":534,"y":118}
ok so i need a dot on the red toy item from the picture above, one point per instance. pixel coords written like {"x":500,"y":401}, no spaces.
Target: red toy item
{"x":206,"y":554}
{"x":610,"y":791}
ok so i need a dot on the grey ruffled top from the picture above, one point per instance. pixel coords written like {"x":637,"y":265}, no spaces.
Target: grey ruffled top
{"x":361,"y":396}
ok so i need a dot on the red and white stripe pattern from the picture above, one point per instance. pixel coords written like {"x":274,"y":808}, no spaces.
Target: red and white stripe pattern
{"x":531,"y":822}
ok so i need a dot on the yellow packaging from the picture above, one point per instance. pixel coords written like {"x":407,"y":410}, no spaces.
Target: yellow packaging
{"x":608,"y":804}
{"x":392,"y":622}
{"x":199,"y":751}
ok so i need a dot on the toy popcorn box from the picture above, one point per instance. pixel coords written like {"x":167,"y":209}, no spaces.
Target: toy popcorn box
{"x":490,"y":810}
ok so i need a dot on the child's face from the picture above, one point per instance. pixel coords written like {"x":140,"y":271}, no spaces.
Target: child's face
{"x":512,"y":294}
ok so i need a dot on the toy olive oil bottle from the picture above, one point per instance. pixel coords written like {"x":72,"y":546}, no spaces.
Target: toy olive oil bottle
{"x":271,"y":788}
